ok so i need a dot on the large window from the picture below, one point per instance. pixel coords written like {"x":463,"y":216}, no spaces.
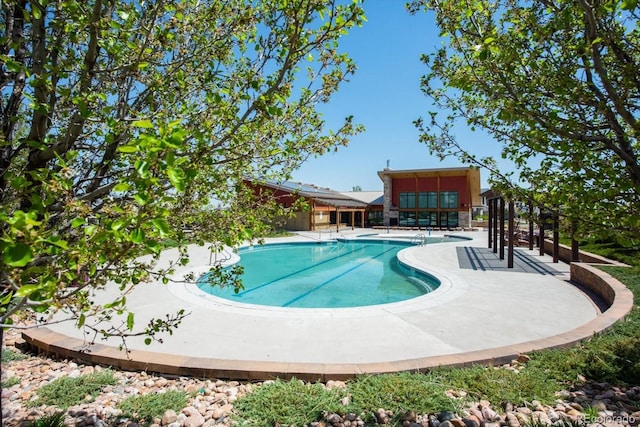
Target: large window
{"x":407,"y":200}
{"x":449,"y":219}
{"x":428,"y":200}
{"x":427,"y":219}
{"x":406,"y":218}
{"x":449,"y":200}
{"x":428,"y":209}
{"x":376,"y":218}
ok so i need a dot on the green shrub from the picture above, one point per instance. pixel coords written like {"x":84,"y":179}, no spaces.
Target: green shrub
{"x":400,"y":393}
{"x":11,"y":355}
{"x":500,"y":384}
{"x":64,"y":392}
{"x":149,"y":406}
{"x":625,"y":251}
{"x":53,"y":420}
{"x":558,"y":366}
{"x":288,"y":403}
{"x":614,"y":360}
{"x":10,"y":382}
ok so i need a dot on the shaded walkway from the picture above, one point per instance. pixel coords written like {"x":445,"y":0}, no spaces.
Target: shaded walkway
{"x":476,"y":258}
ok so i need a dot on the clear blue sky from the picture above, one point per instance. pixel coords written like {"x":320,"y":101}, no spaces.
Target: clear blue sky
{"x":384,"y":95}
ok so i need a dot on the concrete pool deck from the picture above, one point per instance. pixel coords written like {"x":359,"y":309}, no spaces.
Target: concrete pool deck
{"x":482,"y":313}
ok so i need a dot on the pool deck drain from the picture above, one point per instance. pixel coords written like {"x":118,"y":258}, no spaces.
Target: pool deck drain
{"x":478,"y":315}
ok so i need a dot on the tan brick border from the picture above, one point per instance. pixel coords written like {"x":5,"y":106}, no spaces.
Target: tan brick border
{"x":618,"y":298}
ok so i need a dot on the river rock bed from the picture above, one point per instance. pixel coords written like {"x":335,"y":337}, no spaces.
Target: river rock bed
{"x":212,"y":402}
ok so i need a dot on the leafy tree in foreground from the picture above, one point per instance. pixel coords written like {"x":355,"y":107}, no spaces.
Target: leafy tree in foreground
{"x":557,"y":85}
{"x":127,"y":125}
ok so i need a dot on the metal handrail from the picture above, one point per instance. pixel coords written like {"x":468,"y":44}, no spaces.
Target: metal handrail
{"x":419,"y":239}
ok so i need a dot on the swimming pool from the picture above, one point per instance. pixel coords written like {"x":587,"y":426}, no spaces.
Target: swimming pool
{"x":325,"y":275}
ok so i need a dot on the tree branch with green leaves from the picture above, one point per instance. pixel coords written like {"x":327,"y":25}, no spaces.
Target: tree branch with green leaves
{"x":555,"y":86}
{"x":130,"y":126}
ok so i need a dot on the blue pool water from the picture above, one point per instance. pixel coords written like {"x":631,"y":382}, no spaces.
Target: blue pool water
{"x":325,"y":275}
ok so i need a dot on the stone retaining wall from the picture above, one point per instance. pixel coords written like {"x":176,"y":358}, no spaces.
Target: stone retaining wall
{"x":586,"y":273}
{"x":607,"y":287}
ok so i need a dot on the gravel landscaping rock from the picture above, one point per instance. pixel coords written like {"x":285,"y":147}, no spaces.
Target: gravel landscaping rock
{"x":212,"y":401}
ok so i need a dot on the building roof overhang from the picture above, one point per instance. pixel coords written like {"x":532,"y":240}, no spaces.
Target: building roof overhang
{"x":342,"y":203}
{"x":321,"y":195}
{"x":425,"y":173}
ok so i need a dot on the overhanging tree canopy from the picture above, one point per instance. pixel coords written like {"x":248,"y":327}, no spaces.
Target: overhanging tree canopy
{"x":557,"y":85}
{"x":126,"y":125}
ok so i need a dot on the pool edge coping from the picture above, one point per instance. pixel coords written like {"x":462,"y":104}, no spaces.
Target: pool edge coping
{"x":186,"y":290}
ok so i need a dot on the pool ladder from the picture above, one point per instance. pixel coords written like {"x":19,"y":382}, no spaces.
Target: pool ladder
{"x":419,"y":239}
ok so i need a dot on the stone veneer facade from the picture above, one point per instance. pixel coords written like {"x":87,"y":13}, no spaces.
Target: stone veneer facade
{"x":464,"y":219}
{"x":386,"y":207}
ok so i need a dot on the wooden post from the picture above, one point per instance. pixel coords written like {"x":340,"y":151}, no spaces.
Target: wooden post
{"x":512,"y":215}
{"x":575,"y":251}
{"x":490,"y":221}
{"x":495,"y":225}
{"x":312,"y":220}
{"x":502,"y":210}
{"x":530,"y":226}
{"x":541,"y":235}
{"x":556,"y":237}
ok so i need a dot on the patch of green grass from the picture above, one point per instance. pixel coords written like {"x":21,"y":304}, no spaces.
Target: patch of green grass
{"x":427,"y":393}
{"x":498,"y":384}
{"x":630,"y":256}
{"x":149,"y":406}
{"x":400,"y":393}
{"x":629,"y":276}
{"x":591,"y":413}
{"x":288,"y":403}
{"x":53,"y":420}
{"x":11,"y":355}
{"x":64,"y":392}
{"x":10,"y":382}
{"x":627,"y":252}
{"x":295,"y":403}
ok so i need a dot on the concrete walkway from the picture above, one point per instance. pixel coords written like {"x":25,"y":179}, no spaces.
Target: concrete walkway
{"x":481,"y":313}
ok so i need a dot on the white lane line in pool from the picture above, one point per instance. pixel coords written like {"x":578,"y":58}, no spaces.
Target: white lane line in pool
{"x":286,"y":276}
{"x":326,"y":282}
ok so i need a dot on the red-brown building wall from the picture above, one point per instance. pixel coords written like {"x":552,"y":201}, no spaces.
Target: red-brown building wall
{"x":444,"y":183}
{"x":428,"y":184}
{"x":284,"y":198}
{"x":459,"y":184}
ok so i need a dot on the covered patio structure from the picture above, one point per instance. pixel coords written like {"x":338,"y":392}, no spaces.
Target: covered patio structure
{"x":328,"y":209}
{"x":502,"y":213}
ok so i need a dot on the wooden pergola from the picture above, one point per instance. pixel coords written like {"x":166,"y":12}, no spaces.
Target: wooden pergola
{"x":342,"y":205}
{"x":501,"y":212}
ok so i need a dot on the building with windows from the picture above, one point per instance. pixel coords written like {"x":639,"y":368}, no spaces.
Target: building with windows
{"x":438,"y":198}
{"x":421,"y":198}
{"x":327,"y":209}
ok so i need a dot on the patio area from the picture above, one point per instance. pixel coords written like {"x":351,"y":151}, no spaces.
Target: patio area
{"x":483,"y":313}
